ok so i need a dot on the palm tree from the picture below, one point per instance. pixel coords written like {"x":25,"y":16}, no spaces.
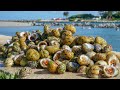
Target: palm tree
{"x":107,"y":14}
{"x":66,"y":14}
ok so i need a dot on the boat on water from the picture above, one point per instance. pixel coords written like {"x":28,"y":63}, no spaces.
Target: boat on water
{"x":117,"y":28}
{"x":86,"y":27}
{"x":89,"y":28}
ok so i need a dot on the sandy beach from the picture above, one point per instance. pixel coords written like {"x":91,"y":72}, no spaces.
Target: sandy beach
{"x":14,"y":24}
{"x":3,"y":39}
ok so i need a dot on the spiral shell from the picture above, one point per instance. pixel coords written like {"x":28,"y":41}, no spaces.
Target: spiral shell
{"x":68,"y":40}
{"x":41,"y":45}
{"x":107,"y":48}
{"x":91,"y":63}
{"x":54,"y":42}
{"x":70,"y":28}
{"x":32,"y":55}
{"x":82,"y":70}
{"x":52,"y":67}
{"x":55,"y":33}
{"x":51,"y":38}
{"x":83,"y":60}
{"x":25,"y":71}
{"x":33,"y":37}
{"x":82,"y":39}
{"x":77,"y":49}
{"x":18,"y":58}
{"x":44,"y":62}
{"x":91,"y":54}
{"x":112,"y":60}
{"x":44,"y":54}
{"x":110,"y":71}
{"x":16,"y":48}
{"x":32,"y":64}
{"x":100,"y":41}
{"x":66,"y":47}
{"x":86,"y":47}
{"x":46,"y":29}
{"x":57,"y":55}
{"x":66,"y":54}
{"x":61,"y":68}
{"x":52,"y":49}
{"x":99,"y":56}
{"x":94,"y":71}
{"x":15,"y":38}
{"x":97,"y":47}
{"x":9,"y":62}
{"x":101,"y":63}
{"x":72,"y":66}
{"x":66,"y":33}
{"x":23,"y":62}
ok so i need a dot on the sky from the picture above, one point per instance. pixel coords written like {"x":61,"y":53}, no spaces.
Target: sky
{"x":18,"y":15}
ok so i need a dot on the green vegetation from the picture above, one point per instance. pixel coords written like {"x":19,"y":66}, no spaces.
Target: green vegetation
{"x":110,"y":15}
{"x":82,"y":16}
{"x":66,"y":14}
{"x":105,"y":15}
{"x":7,"y":75}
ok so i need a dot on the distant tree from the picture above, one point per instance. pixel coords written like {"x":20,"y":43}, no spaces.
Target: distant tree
{"x":106,"y":14}
{"x":66,"y":14}
{"x":82,"y":16}
{"x":116,"y":15}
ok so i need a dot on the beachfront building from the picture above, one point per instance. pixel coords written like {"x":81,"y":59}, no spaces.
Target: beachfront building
{"x":97,"y":18}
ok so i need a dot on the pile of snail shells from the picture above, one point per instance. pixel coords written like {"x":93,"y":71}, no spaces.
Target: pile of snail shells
{"x":58,"y":51}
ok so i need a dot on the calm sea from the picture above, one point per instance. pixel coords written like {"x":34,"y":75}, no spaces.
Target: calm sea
{"x":110,"y":34}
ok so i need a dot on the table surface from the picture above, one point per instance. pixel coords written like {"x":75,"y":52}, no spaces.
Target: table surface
{"x":45,"y":74}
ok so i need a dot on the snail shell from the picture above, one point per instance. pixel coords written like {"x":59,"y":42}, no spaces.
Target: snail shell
{"x":91,"y":54}
{"x":83,"y":60}
{"x":57,"y":55}
{"x":110,"y":71}
{"x":22,"y":34}
{"x":33,"y":36}
{"x":101,"y":62}
{"x":112,"y":60}
{"x":44,"y":62}
{"x":66,"y":47}
{"x":86,"y":47}
{"x":82,"y":70}
{"x":41,"y":45}
{"x":77,"y":50}
{"x":54,"y":42}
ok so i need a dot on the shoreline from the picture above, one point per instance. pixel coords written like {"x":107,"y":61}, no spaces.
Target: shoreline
{"x":14,"y":24}
{"x":22,"y":24}
{"x":4,"y":38}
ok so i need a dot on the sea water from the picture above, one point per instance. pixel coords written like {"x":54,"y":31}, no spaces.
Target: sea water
{"x":109,"y":34}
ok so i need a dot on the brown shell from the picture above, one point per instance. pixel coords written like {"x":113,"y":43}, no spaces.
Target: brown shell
{"x":66,"y":33}
{"x":66,"y":54}
{"x":68,"y":40}
{"x":99,"y":56}
{"x":70,"y":28}
{"x":52,"y":49}
{"x":55,"y":33}
{"x":112,"y":59}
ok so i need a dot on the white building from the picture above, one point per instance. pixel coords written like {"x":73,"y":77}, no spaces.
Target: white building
{"x":97,"y":18}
